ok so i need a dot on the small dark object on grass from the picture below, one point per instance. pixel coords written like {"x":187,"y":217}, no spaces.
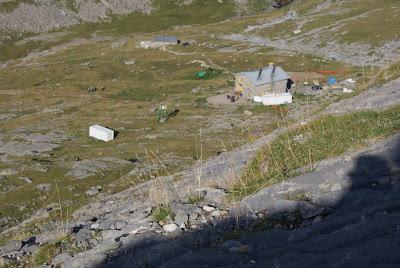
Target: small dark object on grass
{"x":316,"y":87}
{"x":91,"y":89}
{"x":134,"y":160}
{"x":234,"y":98}
{"x":29,"y":242}
{"x":76,"y":229}
{"x":173,"y":113}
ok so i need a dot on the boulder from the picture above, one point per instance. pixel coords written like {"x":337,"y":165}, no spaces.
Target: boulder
{"x":208,"y":208}
{"x":94,"y":190}
{"x":8,"y":172}
{"x":31,"y":249}
{"x":248,"y":113}
{"x":214,"y":195}
{"x":130,"y":62}
{"x":11,"y":246}
{"x":185,"y":213}
{"x":44,"y":187}
{"x":62,"y":260}
{"x":170,"y":228}
{"x":111,"y":224}
{"x":26,"y":179}
{"x":195,"y":90}
{"x":231,"y":246}
{"x":83,"y":236}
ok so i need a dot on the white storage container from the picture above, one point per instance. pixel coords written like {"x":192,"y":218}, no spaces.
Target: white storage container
{"x":277,"y":99}
{"x":258,"y":99}
{"x":101,"y":133}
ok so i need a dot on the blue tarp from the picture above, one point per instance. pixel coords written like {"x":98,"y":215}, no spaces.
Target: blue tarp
{"x":332,"y":80}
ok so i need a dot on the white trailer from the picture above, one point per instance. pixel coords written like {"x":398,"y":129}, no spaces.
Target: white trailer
{"x":101,"y":133}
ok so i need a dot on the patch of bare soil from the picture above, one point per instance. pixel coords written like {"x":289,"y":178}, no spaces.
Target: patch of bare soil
{"x":223,"y":100}
{"x":299,"y":77}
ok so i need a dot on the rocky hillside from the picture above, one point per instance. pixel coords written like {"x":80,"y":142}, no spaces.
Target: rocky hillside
{"x":34,"y":16}
{"x":360,"y":32}
{"x":44,"y":15}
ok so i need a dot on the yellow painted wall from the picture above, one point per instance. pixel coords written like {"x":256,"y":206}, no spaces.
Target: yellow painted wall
{"x":242,"y":84}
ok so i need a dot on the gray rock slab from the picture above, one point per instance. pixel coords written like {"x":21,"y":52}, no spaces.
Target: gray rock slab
{"x":89,"y":167}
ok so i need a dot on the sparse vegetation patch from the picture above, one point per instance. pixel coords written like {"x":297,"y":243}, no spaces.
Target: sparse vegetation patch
{"x":326,"y":137}
{"x":161,"y":213}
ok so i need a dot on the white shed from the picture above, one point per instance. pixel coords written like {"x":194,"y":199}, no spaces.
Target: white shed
{"x":101,"y":133}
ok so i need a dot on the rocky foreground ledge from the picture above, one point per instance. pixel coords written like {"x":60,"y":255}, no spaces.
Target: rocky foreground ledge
{"x":345,"y":212}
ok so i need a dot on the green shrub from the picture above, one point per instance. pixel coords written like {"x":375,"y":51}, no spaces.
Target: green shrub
{"x":161,"y":213}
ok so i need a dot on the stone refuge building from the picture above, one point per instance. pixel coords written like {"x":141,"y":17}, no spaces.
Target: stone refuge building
{"x":167,"y":39}
{"x":267,"y":80}
{"x":160,"y":41}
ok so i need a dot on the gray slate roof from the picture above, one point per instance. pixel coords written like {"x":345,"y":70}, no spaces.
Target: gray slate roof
{"x":166,"y":38}
{"x":265,"y":78}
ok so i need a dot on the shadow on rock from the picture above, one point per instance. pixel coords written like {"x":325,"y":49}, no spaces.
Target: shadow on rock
{"x":350,"y":218}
